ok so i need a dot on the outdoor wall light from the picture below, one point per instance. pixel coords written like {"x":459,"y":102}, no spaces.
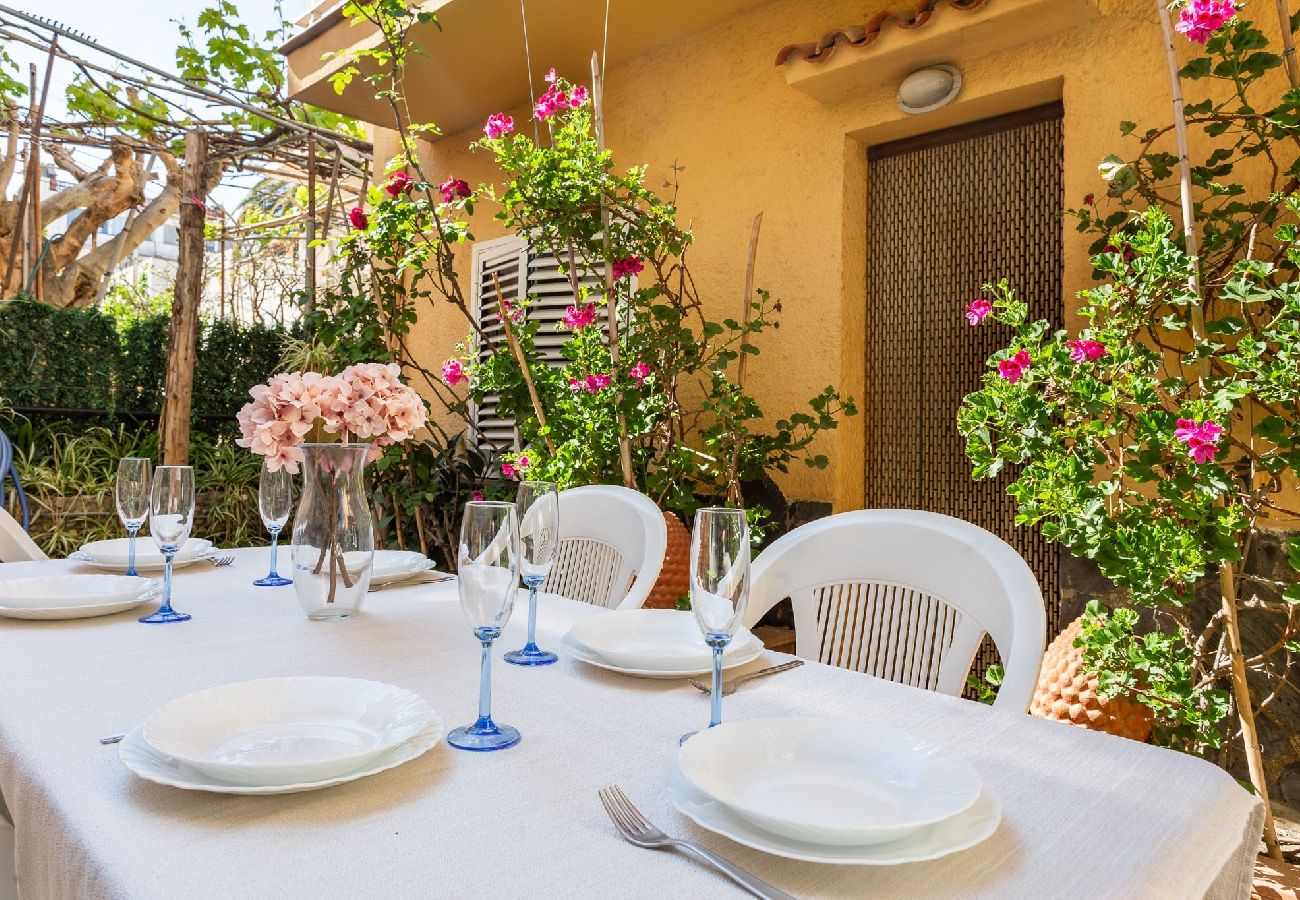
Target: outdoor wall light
{"x":929,"y":89}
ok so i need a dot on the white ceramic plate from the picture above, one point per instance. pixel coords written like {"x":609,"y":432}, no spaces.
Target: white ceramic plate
{"x":394,"y":565}
{"x":112,"y":555}
{"x":582,"y":654}
{"x":828,"y":781}
{"x":654,"y":639}
{"x":961,"y":832}
{"x":147,"y":763}
{"x":276,"y":731}
{"x":73,"y":596}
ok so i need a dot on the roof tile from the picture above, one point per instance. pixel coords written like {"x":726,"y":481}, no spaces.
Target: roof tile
{"x":866,"y":35}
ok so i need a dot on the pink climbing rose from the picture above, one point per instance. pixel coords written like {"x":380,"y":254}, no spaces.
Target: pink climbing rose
{"x":357,"y":216}
{"x":1085,"y":350}
{"x":453,"y":372}
{"x":1201,"y":438}
{"x":627,"y":266}
{"x":1201,"y":18}
{"x":1013,"y":369}
{"x":575,"y":318}
{"x":978,"y":309}
{"x":400,"y":183}
{"x":639,"y":373}
{"x":454,"y":189}
{"x":498,"y":124}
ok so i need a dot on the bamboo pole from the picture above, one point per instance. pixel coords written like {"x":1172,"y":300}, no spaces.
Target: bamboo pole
{"x":1288,"y":42}
{"x":523,"y":364}
{"x":733,"y":482}
{"x":309,"y":245}
{"x":611,"y":306}
{"x":37,"y":232}
{"x":30,"y":182}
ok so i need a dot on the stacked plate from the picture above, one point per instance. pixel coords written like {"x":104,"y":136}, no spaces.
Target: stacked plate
{"x":831,"y":791}
{"x":73,"y":596}
{"x":281,"y":735}
{"x":114,"y":555}
{"x":653,"y":643}
{"x":397,"y":565}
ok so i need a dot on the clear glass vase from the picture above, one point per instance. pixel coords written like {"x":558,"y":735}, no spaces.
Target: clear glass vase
{"x":333,"y":536}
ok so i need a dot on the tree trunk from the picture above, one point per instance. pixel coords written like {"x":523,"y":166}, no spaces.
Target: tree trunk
{"x":183,"y":336}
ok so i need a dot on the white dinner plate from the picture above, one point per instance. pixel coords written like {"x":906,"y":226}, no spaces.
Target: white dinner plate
{"x":147,"y":763}
{"x":73,"y":596}
{"x":112,"y":555}
{"x":961,"y":832}
{"x":582,"y":654}
{"x":828,"y":781}
{"x":276,"y":731}
{"x":395,"y":565}
{"x":655,"y":640}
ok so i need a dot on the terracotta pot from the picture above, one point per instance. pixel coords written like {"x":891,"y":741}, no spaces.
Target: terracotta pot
{"x":1068,"y":694}
{"x":675,"y":576}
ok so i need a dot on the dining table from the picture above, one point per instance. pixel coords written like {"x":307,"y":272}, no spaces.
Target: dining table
{"x":1084,"y":814}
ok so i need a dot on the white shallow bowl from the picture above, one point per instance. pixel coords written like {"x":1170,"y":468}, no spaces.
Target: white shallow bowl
{"x":394,"y":565}
{"x":654,"y":639}
{"x":114,"y":554}
{"x":952,"y":835}
{"x":146,"y":762}
{"x":582,"y":654}
{"x":73,"y":596}
{"x":276,"y":731}
{"x":828,"y":781}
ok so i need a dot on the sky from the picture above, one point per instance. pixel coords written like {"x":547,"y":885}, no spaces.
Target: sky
{"x":144,"y":30}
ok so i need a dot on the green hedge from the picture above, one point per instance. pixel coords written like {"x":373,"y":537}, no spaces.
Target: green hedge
{"x":83,"y":359}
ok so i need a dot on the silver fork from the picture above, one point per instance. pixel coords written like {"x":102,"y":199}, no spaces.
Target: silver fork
{"x":730,"y":686}
{"x":636,"y":829}
{"x":220,"y":561}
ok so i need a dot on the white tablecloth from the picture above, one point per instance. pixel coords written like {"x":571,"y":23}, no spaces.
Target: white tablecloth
{"x":1085,"y":815}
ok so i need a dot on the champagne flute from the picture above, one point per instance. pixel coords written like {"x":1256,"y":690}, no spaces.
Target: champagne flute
{"x":274,"y":501}
{"x":537,"y":504}
{"x":719,"y":586}
{"x":132,"y":494}
{"x":487,"y":578}
{"x":171,"y":516}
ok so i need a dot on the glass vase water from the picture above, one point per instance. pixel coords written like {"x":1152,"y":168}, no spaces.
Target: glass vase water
{"x":333,"y":537}
{"x":537,"y":504}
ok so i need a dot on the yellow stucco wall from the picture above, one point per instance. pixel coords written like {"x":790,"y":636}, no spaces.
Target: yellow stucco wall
{"x":750,"y":141}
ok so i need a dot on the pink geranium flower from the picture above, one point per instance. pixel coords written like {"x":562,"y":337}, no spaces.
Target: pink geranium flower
{"x":454,"y":189}
{"x":1201,"y":438}
{"x":575,"y":318}
{"x":978,"y":309}
{"x":357,"y":216}
{"x":516,"y":313}
{"x":476,"y":496}
{"x":508,"y":471}
{"x":575,"y":384}
{"x":1085,"y":350}
{"x":596,"y":382}
{"x":639,"y":373}
{"x":627,"y":266}
{"x":453,"y":372}
{"x":498,"y":124}
{"x":1201,"y":18}
{"x":1013,"y":369}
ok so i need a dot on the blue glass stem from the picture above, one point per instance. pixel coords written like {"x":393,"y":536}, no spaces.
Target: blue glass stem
{"x":166,"y":608}
{"x":533,"y":584}
{"x":715,"y":708}
{"x":485,"y":688}
{"x":275,"y":540}
{"x":130,"y":555}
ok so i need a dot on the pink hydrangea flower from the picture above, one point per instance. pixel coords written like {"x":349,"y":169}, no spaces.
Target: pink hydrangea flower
{"x":357,"y":216}
{"x":498,"y":124}
{"x":1201,"y":18}
{"x":575,"y":318}
{"x":454,"y":189}
{"x":453,"y":372}
{"x":1201,"y":438}
{"x":978,"y":309}
{"x":400,"y":183}
{"x":627,"y":266}
{"x":639,"y":373}
{"x":1085,"y":350}
{"x":1013,"y":369}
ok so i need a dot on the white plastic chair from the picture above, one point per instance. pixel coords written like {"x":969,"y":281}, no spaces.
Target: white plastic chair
{"x":908,"y":596}
{"x":15,"y":545}
{"x":612,"y":545}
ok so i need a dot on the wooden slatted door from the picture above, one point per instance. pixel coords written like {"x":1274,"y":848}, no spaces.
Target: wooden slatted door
{"x":946,"y":213}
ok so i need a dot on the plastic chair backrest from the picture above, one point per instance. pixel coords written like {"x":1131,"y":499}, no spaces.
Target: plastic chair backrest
{"x":612,"y":544}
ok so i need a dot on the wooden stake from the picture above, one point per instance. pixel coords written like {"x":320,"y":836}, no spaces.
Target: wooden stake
{"x":611,"y":307}
{"x":1288,"y":43}
{"x":37,"y":232}
{"x":733,"y":482}
{"x":30,"y":182}
{"x":183,"y":334}
{"x":523,"y":363}
{"x":309,"y":245}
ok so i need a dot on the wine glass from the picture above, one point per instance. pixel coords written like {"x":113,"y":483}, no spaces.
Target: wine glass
{"x":487,"y":577}
{"x":274,"y":501}
{"x":537,"y":505}
{"x":171,"y":515}
{"x":719,"y":586}
{"x":132,"y":493}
